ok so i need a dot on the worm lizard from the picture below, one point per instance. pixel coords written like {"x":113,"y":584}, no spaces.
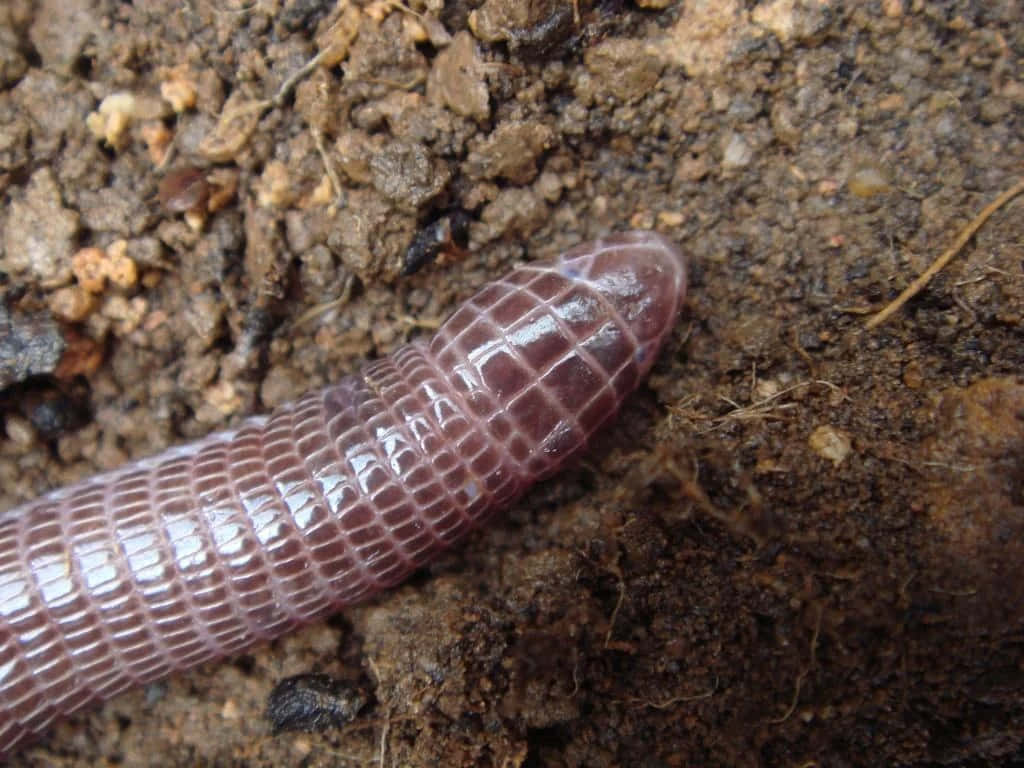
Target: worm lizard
{"x":208,"y":548}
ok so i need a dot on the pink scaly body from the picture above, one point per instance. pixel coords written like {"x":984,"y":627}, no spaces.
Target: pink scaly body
{"x":205,"y":549}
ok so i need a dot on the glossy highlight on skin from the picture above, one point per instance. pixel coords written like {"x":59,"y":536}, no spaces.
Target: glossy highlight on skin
{"x":205,"y":549}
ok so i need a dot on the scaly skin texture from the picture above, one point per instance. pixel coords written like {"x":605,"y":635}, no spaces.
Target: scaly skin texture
{"x":205,"y":549}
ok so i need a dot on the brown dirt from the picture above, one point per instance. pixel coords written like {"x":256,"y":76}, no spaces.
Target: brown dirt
{"x":800,"y":545}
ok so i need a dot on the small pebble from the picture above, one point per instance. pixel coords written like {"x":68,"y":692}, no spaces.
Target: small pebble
{"x":670,"y":218}
{"x":156,"y":692}
{"x":766,"y":389}
{"x":111,"y":120}
{"x":116,"y":113}
{"x":275,"y":188}
{"x":158,"y":140}
{"x":88,"y":267}
{"x":738,"y":153}
{"x":120,"y":268}
{"x":72,"y":303}
{"x":830,"y":443}
{"x":179,"y":91}
{"x":230,"y":710}
{"x":223,"y":397}
{"x":19,"y":430}
{"x":868,"y":181}
{"x":126,"y":313}
{"x":223,"y":187}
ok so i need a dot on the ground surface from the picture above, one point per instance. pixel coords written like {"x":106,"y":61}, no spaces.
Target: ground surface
{"x":801,"y":543}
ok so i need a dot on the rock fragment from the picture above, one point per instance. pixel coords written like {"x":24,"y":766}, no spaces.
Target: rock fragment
{"x":39,"y":233}
{"x":30,"y":345}
{"x":457,"y":80}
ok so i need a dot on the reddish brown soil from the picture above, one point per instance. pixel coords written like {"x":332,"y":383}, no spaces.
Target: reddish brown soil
{"x":801,"y":543}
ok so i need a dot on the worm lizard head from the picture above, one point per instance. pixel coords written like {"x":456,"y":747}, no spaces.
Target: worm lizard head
{"x":642,"y":275}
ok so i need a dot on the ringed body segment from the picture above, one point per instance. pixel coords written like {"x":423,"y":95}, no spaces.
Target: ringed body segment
{"x":208,"y":548}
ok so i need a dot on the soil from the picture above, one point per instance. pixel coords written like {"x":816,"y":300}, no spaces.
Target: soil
{"x":801,"y":542}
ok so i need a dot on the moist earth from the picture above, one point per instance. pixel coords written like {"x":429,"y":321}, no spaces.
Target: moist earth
{"x":800,"y":543}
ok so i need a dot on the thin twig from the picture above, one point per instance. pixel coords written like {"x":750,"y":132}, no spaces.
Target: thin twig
{"x":966,"y":234}
{"x":669,"y":703}
{"x":804,"y":673}
{"x":262,"y":105}
{"x":403,"y":7}
{"x":618,"y":603}
{"x":332,"y":174}
{"x":319,"y":310}
{"x":299,"y":74}
{"x":763,"y":408}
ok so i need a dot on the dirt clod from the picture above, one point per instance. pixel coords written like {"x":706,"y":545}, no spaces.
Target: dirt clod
{"x":457,"y":81}
{"x":39,"y":232}
{"x":312,"y":703}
